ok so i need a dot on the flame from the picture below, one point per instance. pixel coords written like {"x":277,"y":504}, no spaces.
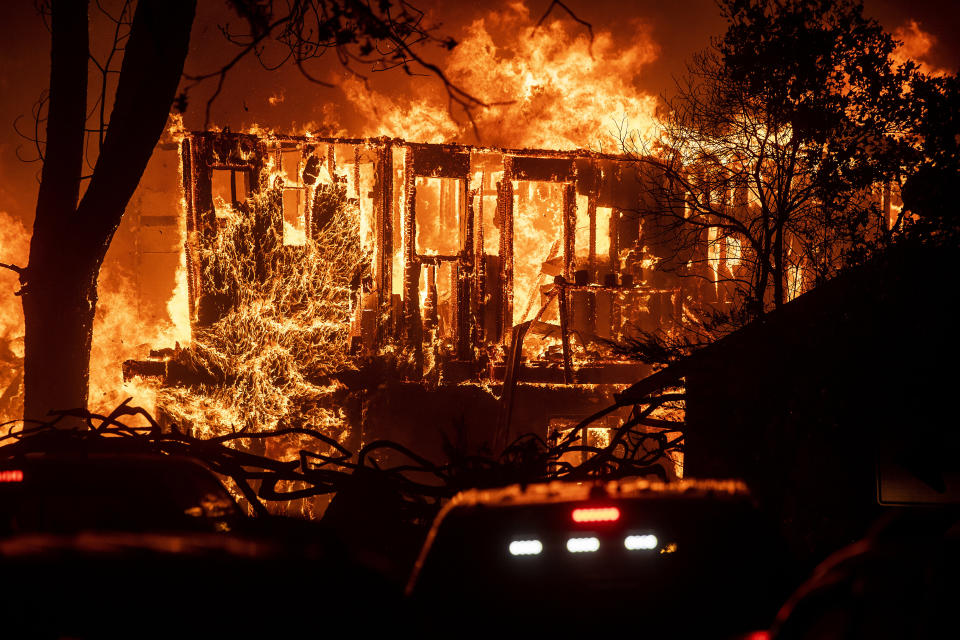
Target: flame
{"x":559,"y":90}
{"x":538,"y":220}
{"x":422,"y":120}
{"x":119,"y":334}
{"x":175,"y":131}
{"x":14,"y":249}
{"x":119,"y":331}
{"x":549,"y":88}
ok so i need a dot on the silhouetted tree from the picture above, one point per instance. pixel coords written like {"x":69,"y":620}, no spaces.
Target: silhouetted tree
{"x":768,"y":176}
{"x":930,"y":190}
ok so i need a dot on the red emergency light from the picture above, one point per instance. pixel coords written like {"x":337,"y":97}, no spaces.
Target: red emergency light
{"x":596,"y":514}
{"x":11,"y":475}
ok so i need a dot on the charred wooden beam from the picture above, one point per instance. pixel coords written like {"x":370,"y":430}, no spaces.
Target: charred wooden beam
{"x":189,"y":245}
{"x":543,"y":169}
{"x":439,"y":161}
{"x":564,"y":329}
{"x":479,"y":305}
{"x":144,"y":369}
{"x":431,"y":318}
{"x":592,"y":250}
{"x":383,"y":213}
{"x":591,"y":311}
{"x":356,"y":172}
{"x":505,"y":218}
{"x":413,"y":323}
{"x":510,"y":377}
{"x":464,"y":271}
{"x":614,"y":255}
{"x":205,"y":219}
{"x":614,"y":273}
{"x":565,"y":155}
{"x":569,"y":229}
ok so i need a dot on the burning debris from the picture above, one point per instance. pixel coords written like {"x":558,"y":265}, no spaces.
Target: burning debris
{"x":281,"y":329}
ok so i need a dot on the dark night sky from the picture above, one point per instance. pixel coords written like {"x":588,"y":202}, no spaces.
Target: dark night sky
{"x":677,"y":28}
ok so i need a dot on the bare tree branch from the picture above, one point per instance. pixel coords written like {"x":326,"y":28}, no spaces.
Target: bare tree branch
{"x":359,"y":33}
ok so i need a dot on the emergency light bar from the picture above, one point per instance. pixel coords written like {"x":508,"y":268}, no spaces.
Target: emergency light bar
{"x":596,"y":514}
{"x":11,"y":475}
{"x":633,"y":543}
{"x":526,"y":547}
{"x":583,"y":545}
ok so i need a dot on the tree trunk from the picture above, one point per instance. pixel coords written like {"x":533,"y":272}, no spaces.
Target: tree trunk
{"x":760,"y":285}
{"x":761,"y":282}
{"x":54,"y":367}
{"x":777,"y":274}
{"x":70,"y":239}
{"x":58,"y":314}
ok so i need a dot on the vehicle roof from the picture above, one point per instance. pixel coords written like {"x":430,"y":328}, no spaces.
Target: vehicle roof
{"x":689,"y":490}
{"x":564,"y":491}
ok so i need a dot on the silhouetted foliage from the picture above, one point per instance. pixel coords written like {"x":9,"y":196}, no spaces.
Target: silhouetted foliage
{"x":776,"y":140}
{"x":930,"y":190}
{"x":781,"y":153}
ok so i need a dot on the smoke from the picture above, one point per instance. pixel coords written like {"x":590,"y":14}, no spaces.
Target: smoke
{"x":917,"y":45}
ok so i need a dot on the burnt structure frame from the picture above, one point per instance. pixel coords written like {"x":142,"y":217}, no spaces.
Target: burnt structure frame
{"x":398,"y":318}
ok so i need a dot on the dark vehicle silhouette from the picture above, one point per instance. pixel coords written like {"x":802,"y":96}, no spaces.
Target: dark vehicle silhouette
{"x":900,"y":581}
{"x":139,"y":545}
{"x":652,"y":557}
{"x":64,"y":494}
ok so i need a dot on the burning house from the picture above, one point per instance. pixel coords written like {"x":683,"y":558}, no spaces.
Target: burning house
{"x":425,"y":293}
{"x":489,"y":278}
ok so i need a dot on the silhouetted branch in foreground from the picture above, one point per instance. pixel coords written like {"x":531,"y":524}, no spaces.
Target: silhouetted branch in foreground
{"x":636,"y":447}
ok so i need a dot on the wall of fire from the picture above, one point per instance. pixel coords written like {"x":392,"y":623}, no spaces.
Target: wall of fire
{"x":465,"y":245}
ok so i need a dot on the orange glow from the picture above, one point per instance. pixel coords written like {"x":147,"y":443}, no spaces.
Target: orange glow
{"x":596,"y":514}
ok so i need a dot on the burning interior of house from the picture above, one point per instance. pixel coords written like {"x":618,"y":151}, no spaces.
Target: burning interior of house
{"x":460,"y":270}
